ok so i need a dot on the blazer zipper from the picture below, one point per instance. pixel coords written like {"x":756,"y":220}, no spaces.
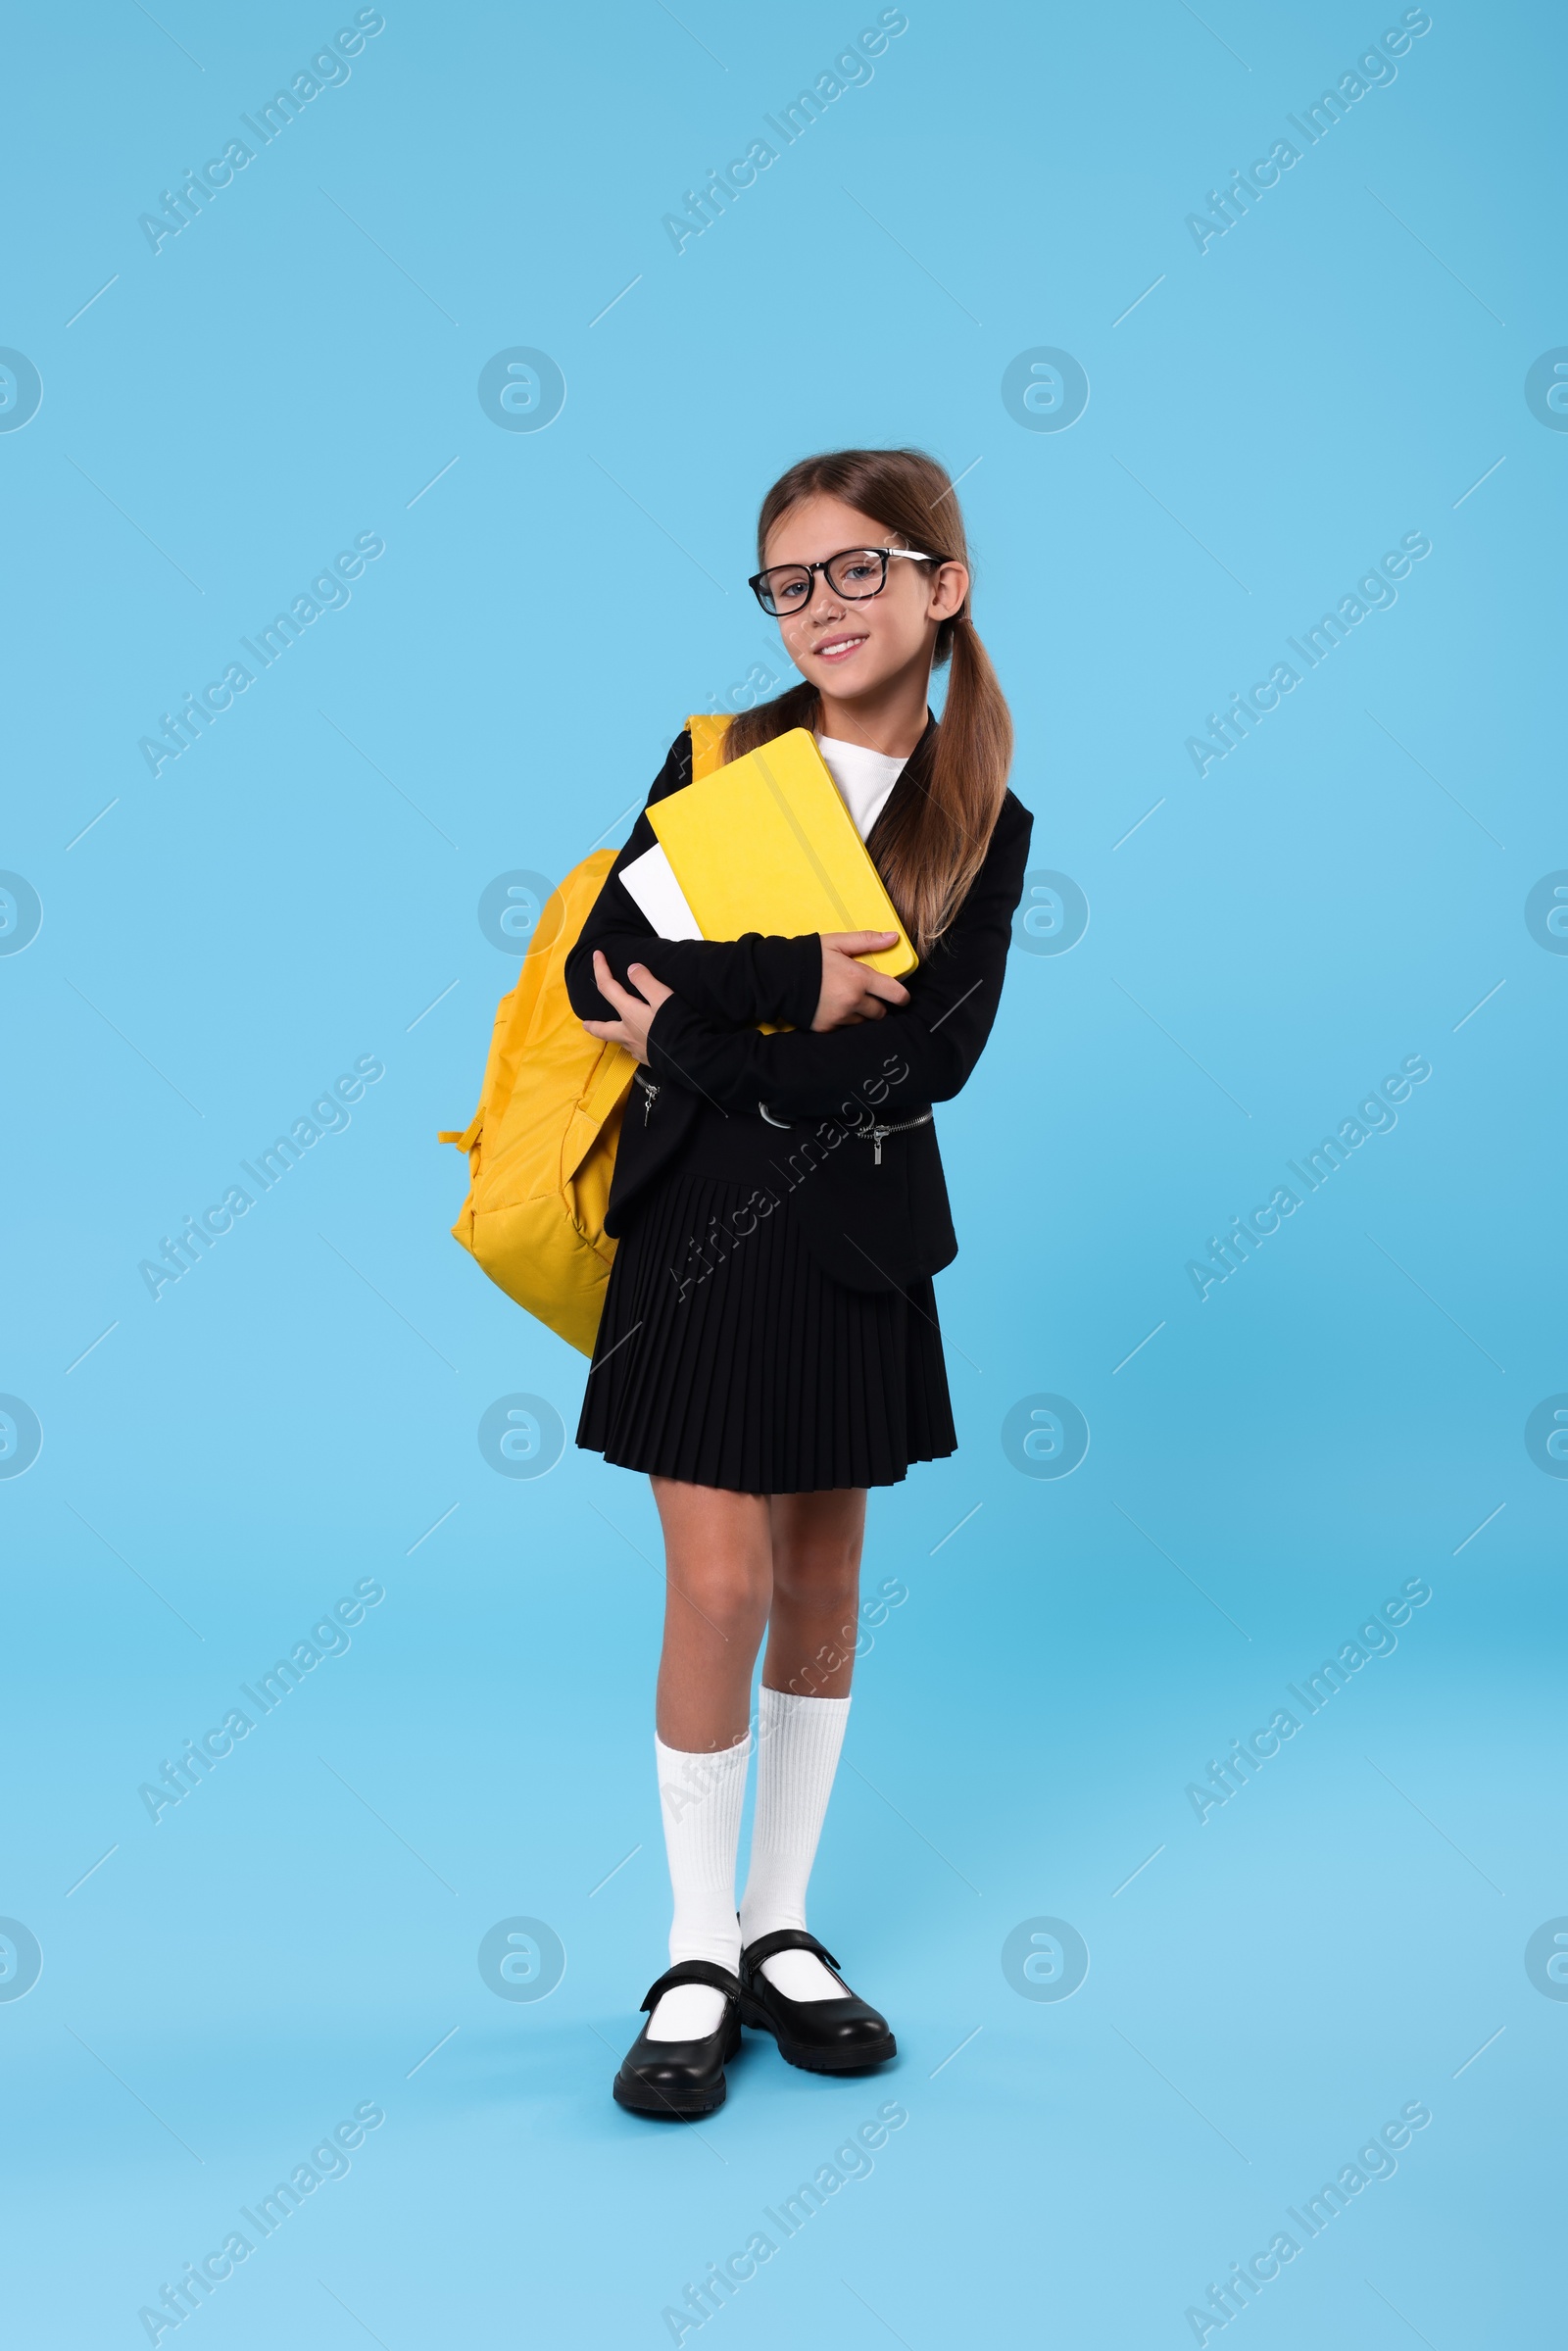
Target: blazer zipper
{"x":876,"y":1133}
{"x":649,"y":1087}
{"x":873,"y":1132}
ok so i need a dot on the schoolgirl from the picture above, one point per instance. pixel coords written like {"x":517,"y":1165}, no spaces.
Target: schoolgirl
{"x":769,"y":1346}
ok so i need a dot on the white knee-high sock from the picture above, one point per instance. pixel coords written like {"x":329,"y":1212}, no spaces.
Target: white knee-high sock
{"x":701,"y":1798}
{"x":797,"y":1742}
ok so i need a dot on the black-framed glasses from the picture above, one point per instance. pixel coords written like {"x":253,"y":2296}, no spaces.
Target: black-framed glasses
{"x":855,"y":572}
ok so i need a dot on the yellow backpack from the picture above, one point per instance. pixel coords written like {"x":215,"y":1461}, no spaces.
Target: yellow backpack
{"x":542,"y":1144}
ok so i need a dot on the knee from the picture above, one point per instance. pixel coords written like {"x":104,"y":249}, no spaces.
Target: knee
{"x":729,"y":1596}
{"x":817,"y":1575}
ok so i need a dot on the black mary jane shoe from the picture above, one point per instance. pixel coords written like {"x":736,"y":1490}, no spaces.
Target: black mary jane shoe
{"x":825,"y":2036}
{"x":681,"y":2078}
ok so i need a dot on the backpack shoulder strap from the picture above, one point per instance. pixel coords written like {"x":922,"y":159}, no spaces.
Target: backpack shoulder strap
{"x":707,"y":732}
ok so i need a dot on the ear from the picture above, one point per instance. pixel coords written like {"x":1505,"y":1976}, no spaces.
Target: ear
{"x":950,"y":585}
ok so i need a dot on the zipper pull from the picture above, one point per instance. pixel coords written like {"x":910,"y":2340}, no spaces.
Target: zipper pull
{"x":647,"y":1102}
{"x":877,"y":1134}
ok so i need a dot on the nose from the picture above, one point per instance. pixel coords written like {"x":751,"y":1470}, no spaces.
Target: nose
{"x":827,"y":608}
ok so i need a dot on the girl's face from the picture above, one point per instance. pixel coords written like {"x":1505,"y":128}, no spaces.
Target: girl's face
{"x":848,"y":647}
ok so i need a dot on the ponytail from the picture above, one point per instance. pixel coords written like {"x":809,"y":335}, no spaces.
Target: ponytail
{"x":928,"y":848}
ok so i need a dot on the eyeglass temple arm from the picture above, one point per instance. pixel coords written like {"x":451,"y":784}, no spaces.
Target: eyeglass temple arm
{"x":912,"y":555}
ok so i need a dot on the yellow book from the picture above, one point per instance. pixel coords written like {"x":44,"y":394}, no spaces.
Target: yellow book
{"x":767,"y":844}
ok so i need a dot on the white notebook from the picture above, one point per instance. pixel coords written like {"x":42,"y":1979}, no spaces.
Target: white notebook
{"x":651,"y":879}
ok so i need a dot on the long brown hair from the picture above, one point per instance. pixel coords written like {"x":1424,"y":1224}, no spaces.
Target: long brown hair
{"x":929,"y":848}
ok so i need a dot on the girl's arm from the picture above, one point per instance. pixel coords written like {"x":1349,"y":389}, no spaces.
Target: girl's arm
{"x":731,"y":983}
{"x":922,"y":1053}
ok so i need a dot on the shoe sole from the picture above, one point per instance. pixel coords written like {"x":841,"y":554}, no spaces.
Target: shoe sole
{"x":687,"y":2106}
{"x":822,"y":2061}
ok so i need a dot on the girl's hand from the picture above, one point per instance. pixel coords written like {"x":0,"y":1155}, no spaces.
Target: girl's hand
{"x":636,"y":1012}
{"x":849,"y":992}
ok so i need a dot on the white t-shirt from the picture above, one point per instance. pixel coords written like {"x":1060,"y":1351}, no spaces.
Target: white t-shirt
{"x":864,"y":779}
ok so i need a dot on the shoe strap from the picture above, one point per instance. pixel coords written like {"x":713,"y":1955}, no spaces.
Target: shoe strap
{"x":785,"y":1938}
{"x":693,"y":1971}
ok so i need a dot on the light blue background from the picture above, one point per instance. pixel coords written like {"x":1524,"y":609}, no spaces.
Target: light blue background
{"x":300,"y":889}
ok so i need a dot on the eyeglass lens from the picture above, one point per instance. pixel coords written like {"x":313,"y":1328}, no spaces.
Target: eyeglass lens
{"x":859,"y":572}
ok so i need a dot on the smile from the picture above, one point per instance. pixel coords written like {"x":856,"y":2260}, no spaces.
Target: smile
{"x":838,"y":649}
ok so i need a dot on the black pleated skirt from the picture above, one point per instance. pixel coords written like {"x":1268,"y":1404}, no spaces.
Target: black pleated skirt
{"x":726,"y":1356}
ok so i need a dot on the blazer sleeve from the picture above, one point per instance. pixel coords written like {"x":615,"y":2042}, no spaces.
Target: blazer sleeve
{"x":731,"y":983}
{"x":921,"y":1053}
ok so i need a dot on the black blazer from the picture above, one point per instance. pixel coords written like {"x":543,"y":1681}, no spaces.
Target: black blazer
{"x":870,"y":1226}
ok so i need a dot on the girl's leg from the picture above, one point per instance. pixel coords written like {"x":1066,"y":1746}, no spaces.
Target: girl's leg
{"x":718,"y":1581}
{"x":812,"y":1634}
{"x":811,"y":1627}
